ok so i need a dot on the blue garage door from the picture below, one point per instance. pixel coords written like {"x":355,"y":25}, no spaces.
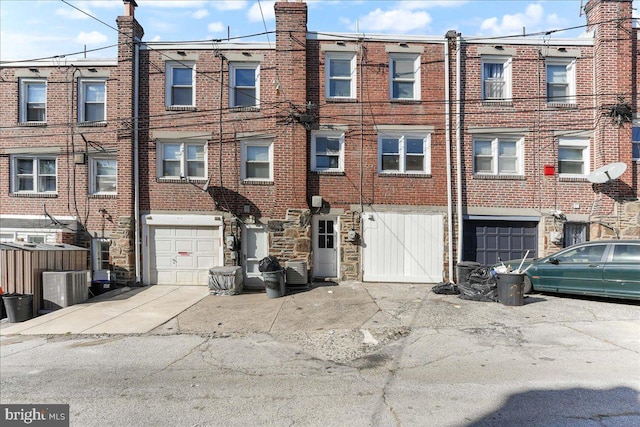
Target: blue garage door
{"x":486,"y":241}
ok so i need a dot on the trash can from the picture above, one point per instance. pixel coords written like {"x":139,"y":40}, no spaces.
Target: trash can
{"x":19,"y":307}
{"x":274,"y":283}
{"x":510,"y":288}
{"x":464,"y":269}
{"x":225,"y":280}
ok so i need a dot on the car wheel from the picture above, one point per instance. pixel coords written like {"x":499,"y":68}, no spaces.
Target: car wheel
{"x":528,"y":286}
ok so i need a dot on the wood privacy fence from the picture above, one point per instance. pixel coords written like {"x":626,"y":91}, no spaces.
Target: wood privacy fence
{"x":22,"y":265}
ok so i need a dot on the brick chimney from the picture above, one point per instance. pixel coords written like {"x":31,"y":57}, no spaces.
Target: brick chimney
{"x":130,"y":7}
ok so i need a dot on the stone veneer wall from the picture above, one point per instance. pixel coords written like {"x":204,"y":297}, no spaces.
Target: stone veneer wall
{"x":350,"y":252}
{"x":122,"y":252}
{"x":290,"y":239}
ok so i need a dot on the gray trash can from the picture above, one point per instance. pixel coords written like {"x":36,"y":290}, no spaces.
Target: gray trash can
{"x":464,"y":269}
{"x":274,"y":283}
{"x":19,"y":307}
{"x":510,"y":288}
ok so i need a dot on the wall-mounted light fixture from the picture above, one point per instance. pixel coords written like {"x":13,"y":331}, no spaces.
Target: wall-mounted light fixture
{"x":93,"y":70}
{"x":498,"y":47}
{"x":341,"y":43}
{"x":403,"y":45}
{"x":34,"y":70}
{"x":181,"y":53}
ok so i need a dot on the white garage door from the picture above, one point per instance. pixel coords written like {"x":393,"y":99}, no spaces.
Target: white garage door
{"x":183,"y":255}
{"x":402,"y":247}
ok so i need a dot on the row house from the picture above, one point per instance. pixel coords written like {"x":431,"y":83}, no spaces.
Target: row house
{"x":376,"y":158}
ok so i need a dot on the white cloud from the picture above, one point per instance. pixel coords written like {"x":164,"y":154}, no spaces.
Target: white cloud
{"x":70,"y":13}
{"x":172,"y":3}
{"x":200,"y":13}
{"x":513,"y":24}
{"x":230,"y":4}
{"x":398,"y":21}
{"x":255,"y":15}
{"x":429,"y":4}
{"x":216,"y":27}
{"x":94,"y":37}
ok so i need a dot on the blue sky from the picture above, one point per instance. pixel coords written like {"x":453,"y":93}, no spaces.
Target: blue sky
{"x":45,"y":28}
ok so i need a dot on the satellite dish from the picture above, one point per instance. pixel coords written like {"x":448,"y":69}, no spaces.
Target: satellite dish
{"x":607,"y":173}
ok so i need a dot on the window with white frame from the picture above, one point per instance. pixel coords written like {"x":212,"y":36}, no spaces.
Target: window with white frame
{"x":340,"y":75}
{"x":180,"y":84}
{"x":244,"y":85}
{"x":496,"y":78}
{"x":33,"y":100}
{"x":408,"y":153}
{"x":404,"y":76}
{"x":573,"y":157}
{"x":635,"y":142}
{"x":561,"y":81}
{"x":497,"y":155}
{"x":182,"y":160}
{"x":34,"y":174}
{"x":92,"y":100}
{"x":104,"y":175}
{"x":257,"y":160}
{"x":101,"y":254}
{"x":327,"y":150}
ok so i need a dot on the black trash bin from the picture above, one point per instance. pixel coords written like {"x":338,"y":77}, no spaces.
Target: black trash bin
{"x":19,"y":307}
{"x":274,"y":283}
{"x":510,"y":288}
{"x":464,"y":269}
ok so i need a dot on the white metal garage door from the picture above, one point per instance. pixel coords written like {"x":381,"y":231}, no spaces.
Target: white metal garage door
{"x":183,"y":255}
{"x":402,"y":247}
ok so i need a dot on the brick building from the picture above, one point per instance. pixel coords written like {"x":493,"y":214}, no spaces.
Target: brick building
{"x":378,"y":158}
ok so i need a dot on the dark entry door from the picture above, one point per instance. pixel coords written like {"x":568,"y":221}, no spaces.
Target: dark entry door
{"x":485,"y":241}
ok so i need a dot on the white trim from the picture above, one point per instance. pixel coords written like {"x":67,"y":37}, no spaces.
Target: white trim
{"x":402,"y":153}
{"x":586,"y":155}
{"x":35,"y":159}
{"x":93,"y":168}
{"x":327,"y":134}
{"x":506,"y":62}
{"x":24,"y":98}
{"x":256,"y":143}
{"x":82,"y":83}
{"x":182,"y":158}
{"x":495,"y":141}
{"x":170,"y":65}
{"x":570,"y":67}
{"x":182,"y":220}
{"x":330,"y":56}
{"x":416,"y":74}
{"x":233,"y":66}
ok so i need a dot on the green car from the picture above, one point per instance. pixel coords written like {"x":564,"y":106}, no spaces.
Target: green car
{"x":606,"y":268}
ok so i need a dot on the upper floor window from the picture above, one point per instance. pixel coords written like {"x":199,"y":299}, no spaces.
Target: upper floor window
{"x":34,"y":174}
{"x":573,"y":157}
{"x":327,"y":151}
{"x":340,"y":75}
{"x":257,"y":160}
{"x":92,"y":101}
{"x":33,"y":100}
{"x":498,"y":156}
{"x":180,"y":84}
{"x":244,"y":85}
{"x":404,"y":153}
{"x":182,"y":160}
{"x":561,"y":81}
{"x":635,"y":142}
{"x":496,"y":78}
{"x":404,"y":76}
{"x":104,"y":175}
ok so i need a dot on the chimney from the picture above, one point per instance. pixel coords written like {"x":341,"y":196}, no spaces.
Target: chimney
{"x":130,"y":7}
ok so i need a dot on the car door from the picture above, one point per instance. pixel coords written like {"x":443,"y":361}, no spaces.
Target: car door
{"x":575,"y":271}
{"x":621,"y":274}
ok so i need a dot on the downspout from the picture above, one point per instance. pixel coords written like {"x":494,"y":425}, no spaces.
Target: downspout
{"x":459,"y":143}
{"x":136,"y":160}
{"x":447,"y":114}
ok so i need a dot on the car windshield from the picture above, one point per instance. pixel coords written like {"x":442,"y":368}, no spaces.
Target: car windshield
{"x":582,"y":254}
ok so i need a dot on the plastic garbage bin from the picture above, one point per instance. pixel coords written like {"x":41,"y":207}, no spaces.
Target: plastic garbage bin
{"x":274,"y":283}
{"x":510,"y":288}
{"x":464,"y":269}
{"x":19,"y":307}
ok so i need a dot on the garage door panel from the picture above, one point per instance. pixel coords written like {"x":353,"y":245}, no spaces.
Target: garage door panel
{"x":402,"y":247}
{"x":486,"y":241}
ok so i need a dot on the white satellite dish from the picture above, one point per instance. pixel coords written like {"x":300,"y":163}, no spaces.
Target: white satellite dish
{"x":607,"y":173}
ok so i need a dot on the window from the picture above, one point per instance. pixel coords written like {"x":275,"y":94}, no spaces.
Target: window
{"x":573,"y":158}
{"x":34,"y":174}
{"x":340,"y":75}
{"x":498,"y":156}
{"x":92,"y":101}
{"x":180,"y":90}
{"x":257,"y":160}
{"x":404,"y":153}
{"x":245,"y":85}
{"x":104,"y":174}
{"x":181,"y":159}
{"x":635,"y":143}
{"x":405,"y":76}
{"x":496,"y":78}
{"x":33,"y":105}
{"x":561,"y":81}
{"x":101,"y":254}
{"x":583,"y":254}
{"x":626,"y":253}
{"x":327,"y":151}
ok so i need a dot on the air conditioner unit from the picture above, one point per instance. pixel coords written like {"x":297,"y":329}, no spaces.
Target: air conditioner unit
{"x":296,"y":273}
{"x":64,"y":288}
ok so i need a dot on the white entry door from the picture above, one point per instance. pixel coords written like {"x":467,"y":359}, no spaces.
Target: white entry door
{"x":325,"y":246}
{"x":255,"y":246}
{"x":183,"y":255}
